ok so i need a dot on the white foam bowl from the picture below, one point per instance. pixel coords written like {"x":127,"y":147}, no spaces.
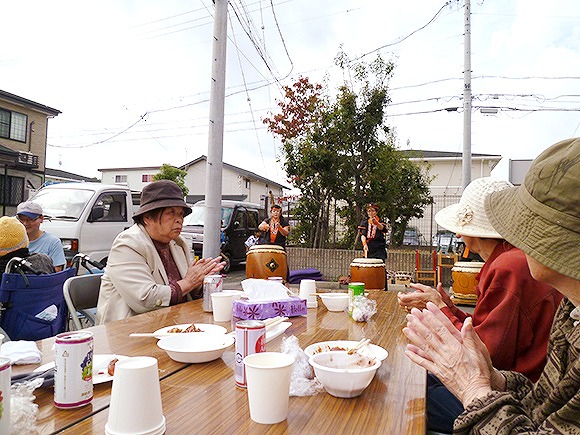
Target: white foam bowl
{"x":196,"y":348}
{"x":334,"y":301}
{"x":344,"y":375}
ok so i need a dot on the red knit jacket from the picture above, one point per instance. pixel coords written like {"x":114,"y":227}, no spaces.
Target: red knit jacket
{"x":513,"y":314}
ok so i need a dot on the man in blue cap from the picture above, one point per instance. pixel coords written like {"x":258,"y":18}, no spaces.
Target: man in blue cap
{"x":31,"y":216}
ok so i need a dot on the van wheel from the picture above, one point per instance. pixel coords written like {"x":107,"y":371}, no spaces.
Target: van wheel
{"x":228,"y":259}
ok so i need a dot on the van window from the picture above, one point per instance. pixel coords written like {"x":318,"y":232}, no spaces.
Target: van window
{"x":240,"y":220}
{"x":114,"y":207}
{"x":63,"y":203}
{"x":253,"y":220}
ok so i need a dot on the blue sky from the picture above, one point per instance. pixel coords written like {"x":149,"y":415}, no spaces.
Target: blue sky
{"x":132,"y":77}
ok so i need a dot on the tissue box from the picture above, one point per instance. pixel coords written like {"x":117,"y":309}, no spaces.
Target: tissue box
{"x":289,"y":307}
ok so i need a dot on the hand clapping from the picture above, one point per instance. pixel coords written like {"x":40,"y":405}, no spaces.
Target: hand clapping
{"x":459,"y":359}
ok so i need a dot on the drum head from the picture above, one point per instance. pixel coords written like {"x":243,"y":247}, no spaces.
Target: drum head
{"x":366,"y":261}
{"x":266,"y":248}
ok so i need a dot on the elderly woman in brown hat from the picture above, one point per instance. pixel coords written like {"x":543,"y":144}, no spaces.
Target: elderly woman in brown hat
{"x":149,"y":265}
{"x":542,"y":218}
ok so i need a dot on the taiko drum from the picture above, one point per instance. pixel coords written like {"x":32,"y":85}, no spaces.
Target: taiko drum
{"x":465,"y":276}
{"x":265,"y":261}
{"x":371,"y":271}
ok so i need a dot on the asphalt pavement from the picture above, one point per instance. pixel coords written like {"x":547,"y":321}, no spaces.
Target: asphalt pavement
{"x":232,"y":281}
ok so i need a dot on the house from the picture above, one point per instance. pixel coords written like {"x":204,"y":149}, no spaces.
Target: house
{"x":23,"y":130}
{"x":237,"y":183}
{"x":446,"y":187}
{"x":53,"y":176}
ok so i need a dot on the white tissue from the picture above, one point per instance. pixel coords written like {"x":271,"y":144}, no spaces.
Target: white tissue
{"x":264,"y":290}
{"x":21,"y":352}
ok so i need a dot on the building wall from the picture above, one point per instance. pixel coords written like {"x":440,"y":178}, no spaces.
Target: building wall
{"x":233,"y":182}
{"x":35,"y":142}
{"x":134,"y":176}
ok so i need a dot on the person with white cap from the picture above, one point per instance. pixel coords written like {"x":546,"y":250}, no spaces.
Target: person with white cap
{"x":31,"y":215}
{"x":149,"y":265}
{"x":513,"y":313}
{"x":542,"y":218}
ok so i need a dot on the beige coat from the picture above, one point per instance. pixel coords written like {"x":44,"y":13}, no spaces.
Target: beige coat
{"x":135,"y":280}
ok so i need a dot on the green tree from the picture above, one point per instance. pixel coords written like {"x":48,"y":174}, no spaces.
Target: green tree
{"x":168,"y":172}
{"x":341,"y":152}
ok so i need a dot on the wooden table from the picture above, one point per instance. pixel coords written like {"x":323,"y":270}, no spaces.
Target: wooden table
{"x":204,"y":398}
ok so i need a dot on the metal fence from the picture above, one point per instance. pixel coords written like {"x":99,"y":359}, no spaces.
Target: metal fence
{"x":426,"y":226}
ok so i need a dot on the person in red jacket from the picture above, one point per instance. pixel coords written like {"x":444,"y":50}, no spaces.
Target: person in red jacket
{"x":514,"y":312}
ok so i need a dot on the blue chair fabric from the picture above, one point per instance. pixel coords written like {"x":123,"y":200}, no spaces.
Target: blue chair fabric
{"x":23,"y":297}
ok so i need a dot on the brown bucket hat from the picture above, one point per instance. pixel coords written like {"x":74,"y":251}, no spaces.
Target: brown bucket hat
{"x":542,"y":216}
{"x":161,"y":194}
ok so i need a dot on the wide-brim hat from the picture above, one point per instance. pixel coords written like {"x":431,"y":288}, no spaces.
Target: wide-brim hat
{"x":542,"y":216}
{"x":468,"y":217}
{"x":161,"y":194}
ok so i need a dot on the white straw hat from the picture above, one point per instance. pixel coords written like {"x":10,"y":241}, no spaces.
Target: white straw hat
{"x":468,"y":217}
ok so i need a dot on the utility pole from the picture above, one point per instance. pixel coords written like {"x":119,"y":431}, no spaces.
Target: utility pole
{"x":214,"y":166}
{"x":466,"y":162}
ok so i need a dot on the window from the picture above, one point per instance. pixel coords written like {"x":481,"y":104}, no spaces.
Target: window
{"x":247,"y":181}
{"x":120,"y":179}
{"x":11,"y":193}
{"x":253,"y":220}
{"x":146,"y":178}
{"x":13,"y":125}
{"x":113,"y":207}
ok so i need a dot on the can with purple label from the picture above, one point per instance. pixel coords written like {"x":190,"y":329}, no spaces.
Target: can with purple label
{"x":73,"y":369}
{"x":250,"y":338}
{"x":211,"y":284}
{"x":5,"y":372}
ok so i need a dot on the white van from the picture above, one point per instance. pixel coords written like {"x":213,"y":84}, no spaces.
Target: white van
{"x":86,"y":216}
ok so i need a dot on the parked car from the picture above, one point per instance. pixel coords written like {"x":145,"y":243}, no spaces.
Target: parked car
{"x":412,"y":237}
{"x":445,"y":241}
{"x":239,"y":221}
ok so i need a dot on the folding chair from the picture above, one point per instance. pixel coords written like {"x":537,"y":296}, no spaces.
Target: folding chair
{"x":24,"y":300}
{"x":82,"y":293}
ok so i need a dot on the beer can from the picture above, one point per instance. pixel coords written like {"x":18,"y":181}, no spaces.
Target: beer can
{"x":354,"y":289}
{"x":5,"y":372}
{"x":211,"y":284}
{"x":73,"y":369}
{"x":250,"y":338}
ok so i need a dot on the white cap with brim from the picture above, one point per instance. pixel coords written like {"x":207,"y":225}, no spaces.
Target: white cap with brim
{"x":468,"y":217}
{"x":29,"y":209}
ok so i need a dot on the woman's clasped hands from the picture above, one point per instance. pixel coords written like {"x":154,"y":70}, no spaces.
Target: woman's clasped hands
{"x":458,"y":358}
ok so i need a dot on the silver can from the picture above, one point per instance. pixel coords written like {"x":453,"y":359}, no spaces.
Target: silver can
{"x":250,"y":338}
{"x":73,"y":369}
{"x":211,"y":284}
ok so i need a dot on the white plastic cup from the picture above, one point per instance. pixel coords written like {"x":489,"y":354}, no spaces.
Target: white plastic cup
{"x":237,"y":293}
{"x":2,"y":337}
{"x":136,"y":398}
{"x":222,"y":306}
{"x":5,"y":374}
{"x":307,"y":290}
{"x":268,"y":381}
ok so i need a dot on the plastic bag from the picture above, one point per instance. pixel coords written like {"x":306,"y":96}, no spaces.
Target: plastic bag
{"x":302,"y":380}
{"x":363,"y":308}
{"x":23,"y":410}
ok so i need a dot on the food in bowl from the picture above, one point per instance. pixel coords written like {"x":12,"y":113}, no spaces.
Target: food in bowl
{"x":344,"y":345}
{"x":196,"y":348}
{"x":190,"y":328}
{"x":334,"y":301}
{"x":344,"y":375}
